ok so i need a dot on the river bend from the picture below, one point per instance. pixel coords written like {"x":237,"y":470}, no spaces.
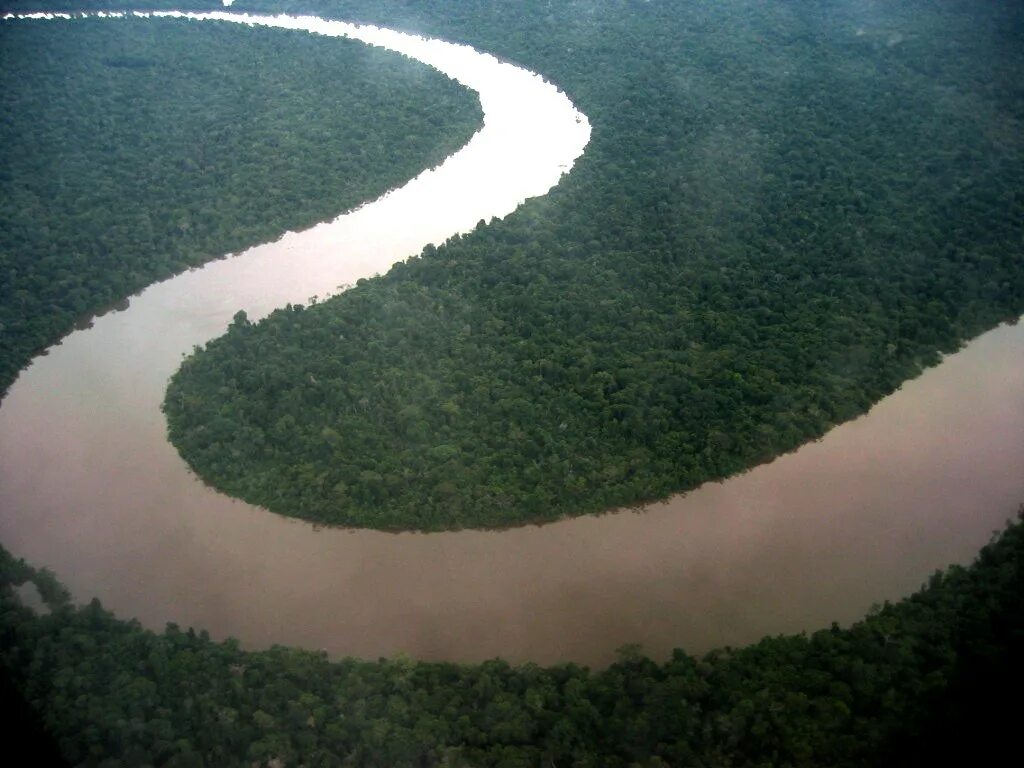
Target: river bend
{"x":90,"y":487}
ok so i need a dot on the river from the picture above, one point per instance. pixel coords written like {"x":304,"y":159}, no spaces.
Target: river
{"x":90,"y":487}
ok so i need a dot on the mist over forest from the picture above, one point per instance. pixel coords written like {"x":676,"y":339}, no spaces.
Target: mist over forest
{"x":786,"y":211}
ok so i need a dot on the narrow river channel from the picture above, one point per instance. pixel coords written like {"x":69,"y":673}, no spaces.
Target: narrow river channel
{"x":90,"y":488}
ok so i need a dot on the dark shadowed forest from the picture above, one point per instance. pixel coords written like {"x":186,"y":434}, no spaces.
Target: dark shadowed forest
{"x":921,"y":682}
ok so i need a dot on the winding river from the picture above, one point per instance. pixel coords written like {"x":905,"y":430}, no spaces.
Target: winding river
{"x":90,"y":488}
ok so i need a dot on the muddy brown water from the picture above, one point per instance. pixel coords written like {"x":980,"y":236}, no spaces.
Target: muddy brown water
{"x":90,"y":488}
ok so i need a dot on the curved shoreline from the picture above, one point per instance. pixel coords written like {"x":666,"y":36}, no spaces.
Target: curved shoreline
{"x":815,"y":536}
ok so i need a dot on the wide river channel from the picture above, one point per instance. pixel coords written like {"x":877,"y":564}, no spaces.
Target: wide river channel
{"x":90,"y":488}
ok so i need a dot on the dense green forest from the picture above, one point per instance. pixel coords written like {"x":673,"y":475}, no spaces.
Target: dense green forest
{"x":786,"y":210}
{"x":927,"y":681}
{"x":923,"y":682}
{"x":131,"y":150}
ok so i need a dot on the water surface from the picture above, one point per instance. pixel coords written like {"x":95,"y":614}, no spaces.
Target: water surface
{"x":90,"y":487}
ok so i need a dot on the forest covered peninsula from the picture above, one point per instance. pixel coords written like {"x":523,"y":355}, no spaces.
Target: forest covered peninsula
{"x":782,"y":215}
{"x":132,"y":151}
{"x":787,"y":209}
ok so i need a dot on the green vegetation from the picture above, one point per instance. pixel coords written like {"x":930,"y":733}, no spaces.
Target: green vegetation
{"x":131,"y":150}
{"x":921,"y":682}
{"x":786,"y":210}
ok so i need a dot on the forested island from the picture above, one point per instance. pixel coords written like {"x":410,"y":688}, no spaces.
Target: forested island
{"x":130,"y":151}
{"x":784,"y":212}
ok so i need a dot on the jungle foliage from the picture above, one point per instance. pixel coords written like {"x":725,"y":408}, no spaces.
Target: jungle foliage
{"x":786,"y":210}
{"x":923,"y":682}
{"x":131,"y":150}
